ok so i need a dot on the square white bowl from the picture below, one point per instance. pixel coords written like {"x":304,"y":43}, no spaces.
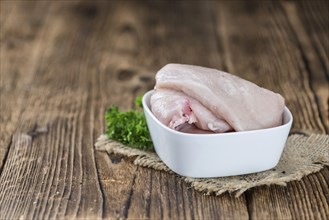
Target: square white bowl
{"x":217,"y":155}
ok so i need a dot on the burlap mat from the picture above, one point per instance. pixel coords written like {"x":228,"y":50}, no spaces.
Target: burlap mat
{"x":302,"y":155}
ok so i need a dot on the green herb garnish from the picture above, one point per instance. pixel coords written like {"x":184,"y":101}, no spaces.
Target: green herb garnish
{"x":129,"y":127}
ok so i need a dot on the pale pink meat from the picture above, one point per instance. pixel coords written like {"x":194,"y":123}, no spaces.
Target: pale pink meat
{"x":174,"y":108}
{"x":182,"y":90}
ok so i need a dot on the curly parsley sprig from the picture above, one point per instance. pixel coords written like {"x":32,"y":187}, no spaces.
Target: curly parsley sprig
{"x":129,"y":127}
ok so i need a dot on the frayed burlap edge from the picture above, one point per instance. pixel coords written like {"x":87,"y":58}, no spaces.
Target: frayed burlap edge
{"x":302,"y":156}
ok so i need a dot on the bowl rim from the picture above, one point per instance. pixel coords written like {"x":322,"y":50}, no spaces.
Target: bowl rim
{"x":146,"y":108}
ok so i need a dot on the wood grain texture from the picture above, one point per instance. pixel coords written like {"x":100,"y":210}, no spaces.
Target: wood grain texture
{"x":281,"y":61}
{"x":312,"y":40}
{"x":270,"y":54}
{"x":56,"y":100}
{"x":17,"y":69}
{"x":63,"y":63}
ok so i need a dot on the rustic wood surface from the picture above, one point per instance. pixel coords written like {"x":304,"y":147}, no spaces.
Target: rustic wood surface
{"x":63,"y":63}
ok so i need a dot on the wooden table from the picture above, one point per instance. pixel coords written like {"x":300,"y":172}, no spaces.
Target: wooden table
{"x":63,"y":63}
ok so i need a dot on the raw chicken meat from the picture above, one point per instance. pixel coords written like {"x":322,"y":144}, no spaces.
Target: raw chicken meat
{"x":213,"y":100}
{"x":174,"y":108}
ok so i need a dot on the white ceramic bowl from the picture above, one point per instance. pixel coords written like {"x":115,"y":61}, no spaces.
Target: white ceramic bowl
{"x":217,"y":155}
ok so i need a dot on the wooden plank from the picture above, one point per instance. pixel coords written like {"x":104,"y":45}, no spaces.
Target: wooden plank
{"x":6,"y":10}
{"x":314,"y":16}
{"x":300,"y":199}
{"x":137,"y":40}
{"x":311,"y":33}
{"x":117,"y":177}
{"x":60,"y":172}
{"x":269,"y":53}
{"x":16,"y":58}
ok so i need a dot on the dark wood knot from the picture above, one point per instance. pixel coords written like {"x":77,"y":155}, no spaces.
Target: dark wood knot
{"x":127,"y":28}
{"x":125,"y":74}
{"x":87,"y":10}
{"x":145,"y":78}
